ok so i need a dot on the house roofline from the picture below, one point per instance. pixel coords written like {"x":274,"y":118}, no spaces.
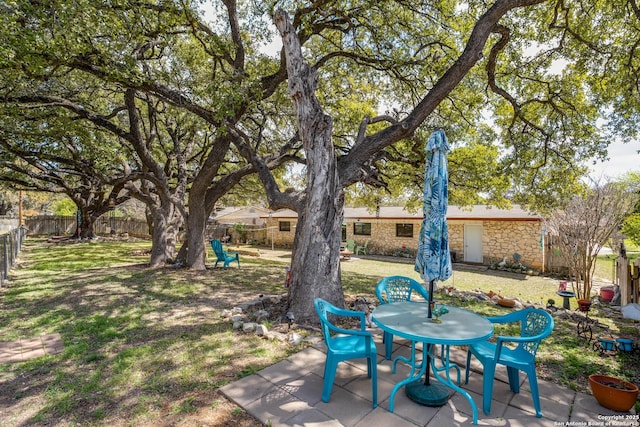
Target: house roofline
{"x":397,"y":213}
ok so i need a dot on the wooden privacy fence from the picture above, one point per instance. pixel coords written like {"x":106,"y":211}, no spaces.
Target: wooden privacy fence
{"x":47,"y":225}
{"x":553,"y":261}
{"x":10,"y":246}
{"x":628,"y":280}
{"x":253,"y":233}
{"x":133,"y":227}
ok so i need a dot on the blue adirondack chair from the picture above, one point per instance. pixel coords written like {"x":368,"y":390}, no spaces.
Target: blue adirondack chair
{"x":535,"y":324}
{"x":224,"y":256}
{"x":397,"y":289}
{"x":345,"y":344}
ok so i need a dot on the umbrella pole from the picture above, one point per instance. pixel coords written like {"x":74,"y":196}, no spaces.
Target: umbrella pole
{"x":430,"y":299}
{"x":428,"y":349}
{"x":426,"y":393}
{"x":427,"y":374}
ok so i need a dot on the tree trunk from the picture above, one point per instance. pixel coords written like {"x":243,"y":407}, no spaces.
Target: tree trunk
{"x":165,"y":225}
{"x":196,"y":225}
{"x":174,"y":224}
{"x":315,"y":261}
{"x":84,"y":227}
{"x":315,"y":269}
{"x":87,"y":229}
{"x":159,"y":240}
{"x":202,"y":197}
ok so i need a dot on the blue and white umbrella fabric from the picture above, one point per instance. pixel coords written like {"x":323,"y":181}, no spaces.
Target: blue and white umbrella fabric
{"x":433,"y":260}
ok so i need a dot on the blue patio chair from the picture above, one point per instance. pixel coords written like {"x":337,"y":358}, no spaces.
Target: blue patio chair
{"x":345,"y":344}
{"x":222,"y":255}
{"x":397,"y":289}
{"x":535,"y":325}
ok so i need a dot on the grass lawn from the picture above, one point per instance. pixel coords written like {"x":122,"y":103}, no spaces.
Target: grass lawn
{"x":149,"y":347}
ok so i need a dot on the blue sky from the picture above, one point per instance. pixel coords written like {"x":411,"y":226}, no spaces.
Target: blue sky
{"x":623,"y":158}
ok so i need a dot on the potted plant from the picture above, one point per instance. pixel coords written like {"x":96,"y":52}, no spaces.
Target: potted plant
{"x":584,"y":304}
{"x":613,"y":393}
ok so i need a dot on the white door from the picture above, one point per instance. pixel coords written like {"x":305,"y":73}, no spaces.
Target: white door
{"x":473,"y":243}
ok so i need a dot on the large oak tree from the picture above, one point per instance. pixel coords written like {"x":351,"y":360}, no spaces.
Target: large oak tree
{"x":547,"y":118}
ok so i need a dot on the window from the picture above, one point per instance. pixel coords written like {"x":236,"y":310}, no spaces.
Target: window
{"x":285,"y":225}
{"x":404,"y":230}
{"x":362,"y":229}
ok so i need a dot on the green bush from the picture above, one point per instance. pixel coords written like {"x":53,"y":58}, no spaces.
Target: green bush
{"x":631,"y":228}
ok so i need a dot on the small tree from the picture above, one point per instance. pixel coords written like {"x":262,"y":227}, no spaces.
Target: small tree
{"x":241,"y":229}
{"x":584,"y":226}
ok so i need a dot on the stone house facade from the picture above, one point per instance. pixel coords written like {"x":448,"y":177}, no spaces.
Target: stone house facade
{"x":479,"y":234}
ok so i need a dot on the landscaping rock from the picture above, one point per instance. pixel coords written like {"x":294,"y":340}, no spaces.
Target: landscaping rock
{"x":262,"y":315}
{"x":249,"y":327}
{"x":274,"y":335}
{"x":261,"y":330}
{"x":295,"y":339}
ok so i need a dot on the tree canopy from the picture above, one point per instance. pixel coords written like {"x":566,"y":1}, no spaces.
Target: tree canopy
{"x":522,"y":121}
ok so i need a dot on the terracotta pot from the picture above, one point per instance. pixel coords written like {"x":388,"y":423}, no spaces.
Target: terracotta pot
{"x":613,"y":393}
{"x":606,"y":294}
{"x":509,"y":303}
{"x":584,"y":304}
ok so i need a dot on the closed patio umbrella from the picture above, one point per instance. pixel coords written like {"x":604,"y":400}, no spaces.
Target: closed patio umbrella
{"x":433,"y":260}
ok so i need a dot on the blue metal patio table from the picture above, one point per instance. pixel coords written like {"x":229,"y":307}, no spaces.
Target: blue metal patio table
{"x":457,"y":327}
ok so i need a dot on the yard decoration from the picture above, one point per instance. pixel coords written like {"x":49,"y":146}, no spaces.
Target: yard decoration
{"x":610,"y":345}
{"x":624,"y":344}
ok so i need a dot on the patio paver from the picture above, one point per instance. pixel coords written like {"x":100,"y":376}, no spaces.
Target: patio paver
{"x":23,"y":350}
{"x":288,"y":394}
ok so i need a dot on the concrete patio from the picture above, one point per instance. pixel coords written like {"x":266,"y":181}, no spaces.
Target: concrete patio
{"x":288,"y":394}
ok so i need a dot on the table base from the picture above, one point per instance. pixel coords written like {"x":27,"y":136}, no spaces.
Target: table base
{"x":419,"y":370}
{"x":427,"y":395}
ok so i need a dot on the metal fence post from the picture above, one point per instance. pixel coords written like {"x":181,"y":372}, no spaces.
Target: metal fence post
{"x":5,"y":260}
